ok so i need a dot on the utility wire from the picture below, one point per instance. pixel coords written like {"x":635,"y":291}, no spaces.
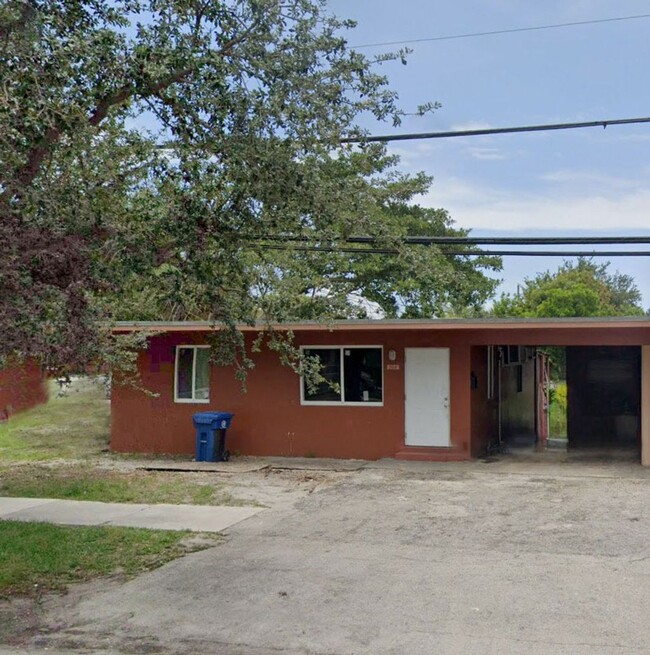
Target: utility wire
{"x":385,"y":138}
{"x":484,"y":253}
{"x":492,"y":130}
{"x":447,"y":240}
{"x":508,"y":31}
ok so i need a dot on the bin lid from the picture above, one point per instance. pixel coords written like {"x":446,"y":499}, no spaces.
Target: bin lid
{"x":204,"y":418}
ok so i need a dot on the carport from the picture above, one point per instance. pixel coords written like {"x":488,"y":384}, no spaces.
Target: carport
{"x":607,"y":364}
{"x":603,"y":386}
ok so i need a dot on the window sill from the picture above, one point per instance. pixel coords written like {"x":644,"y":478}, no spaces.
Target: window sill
{"x":335,"y":403}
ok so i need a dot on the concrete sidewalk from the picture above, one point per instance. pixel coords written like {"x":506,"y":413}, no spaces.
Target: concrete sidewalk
{"x":197,"y":518}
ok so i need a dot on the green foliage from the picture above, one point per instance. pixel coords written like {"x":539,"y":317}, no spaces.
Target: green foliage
{"x":558,"y":410}
{"x":246,"y":102}
{"x":38,"y":557}
{"x":581,"y":289}
{"x":560,"y":396}
{"x":422,"y":281}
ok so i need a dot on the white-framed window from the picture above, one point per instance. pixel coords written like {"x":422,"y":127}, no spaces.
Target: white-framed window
{"x":192,"y":374}
{"x":354,"y":375}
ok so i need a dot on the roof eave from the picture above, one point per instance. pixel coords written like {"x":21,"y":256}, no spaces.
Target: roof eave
{"x":395,"y":324}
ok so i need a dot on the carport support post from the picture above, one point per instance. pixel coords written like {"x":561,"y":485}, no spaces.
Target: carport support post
{"x":645,"y":405}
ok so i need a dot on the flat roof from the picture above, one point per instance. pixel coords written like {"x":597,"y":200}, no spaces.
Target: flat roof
{"x":608,"y":322}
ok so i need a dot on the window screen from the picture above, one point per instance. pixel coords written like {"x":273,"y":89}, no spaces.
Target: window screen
{"x":330,"y":362}
{"x":352,"y":374}
{"x":362,"y":372}
{"x":184,"y":373}
{"x":192,"y":374}
{"x":202,"y":374}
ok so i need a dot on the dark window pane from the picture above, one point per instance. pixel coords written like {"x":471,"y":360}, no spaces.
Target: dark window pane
{"x":363,"y":375}
{"x":330,"y":360}
{"x":184,"y":373}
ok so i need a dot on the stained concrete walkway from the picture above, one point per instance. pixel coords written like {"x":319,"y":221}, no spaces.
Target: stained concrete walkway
{"x":197,"y":518}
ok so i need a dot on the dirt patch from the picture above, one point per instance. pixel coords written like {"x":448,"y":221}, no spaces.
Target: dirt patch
{"x":281,"y":489}
{"x":19,"y":619}
{"x":262,"y":487}
{"x":24,"y":620}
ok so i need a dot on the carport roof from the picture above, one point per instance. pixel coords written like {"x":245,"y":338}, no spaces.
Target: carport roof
{"x":612,"y":323}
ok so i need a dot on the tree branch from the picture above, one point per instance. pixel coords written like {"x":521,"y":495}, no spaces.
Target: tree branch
{"x":30,"y":170}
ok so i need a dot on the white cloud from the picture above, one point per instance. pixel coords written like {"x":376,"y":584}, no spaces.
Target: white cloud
{"x":482,"y":207}
{"x":589,"y":178}
{"x":470,"y":125}
{"x":373,"y":310}
{"x":414,"y":155}
{"x":486,"y":154}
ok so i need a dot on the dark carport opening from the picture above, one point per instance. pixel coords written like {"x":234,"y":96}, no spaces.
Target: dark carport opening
{"x":535,"y":389}
{"x":604,"y":397}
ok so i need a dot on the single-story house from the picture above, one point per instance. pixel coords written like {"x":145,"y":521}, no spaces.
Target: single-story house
{"x":411,"y":389}
{"x":21,"y":387}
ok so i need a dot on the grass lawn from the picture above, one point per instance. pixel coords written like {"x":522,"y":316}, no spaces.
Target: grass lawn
{"x":58,"y":450}
{"x":75,"y":425}
{"x":85,"y":483}
{"x":39,"y":557}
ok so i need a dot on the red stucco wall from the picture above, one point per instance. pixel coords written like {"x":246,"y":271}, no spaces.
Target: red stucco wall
{"x":269,"y":419}
{"x":21,"y":387}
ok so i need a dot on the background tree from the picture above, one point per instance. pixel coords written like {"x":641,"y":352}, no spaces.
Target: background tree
{"x":318,"y":277}
{"x":581,"y":289}
{"x":421,"y":281}
{"x":250,"y":99}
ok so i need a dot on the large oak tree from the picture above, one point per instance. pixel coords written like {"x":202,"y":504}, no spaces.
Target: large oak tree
{"x":154,"y":153}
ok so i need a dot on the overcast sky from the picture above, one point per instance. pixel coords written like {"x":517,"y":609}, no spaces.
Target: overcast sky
{"x":586,"y":182}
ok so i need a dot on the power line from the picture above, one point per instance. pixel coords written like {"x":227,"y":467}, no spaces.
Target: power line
{"x":471,"y":253}
{"x":518,"y":240}
{"x":514,"y":30}
{"x":447,"y":240}
{"x":385,"y":138}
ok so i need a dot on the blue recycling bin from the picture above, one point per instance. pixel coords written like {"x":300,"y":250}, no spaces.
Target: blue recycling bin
{"x":211,"y":428}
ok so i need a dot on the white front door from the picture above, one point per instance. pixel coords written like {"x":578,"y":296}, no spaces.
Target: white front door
{"x":426,"y":383}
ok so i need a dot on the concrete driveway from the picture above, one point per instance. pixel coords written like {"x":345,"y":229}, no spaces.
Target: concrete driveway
{"x":470,"y":559}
